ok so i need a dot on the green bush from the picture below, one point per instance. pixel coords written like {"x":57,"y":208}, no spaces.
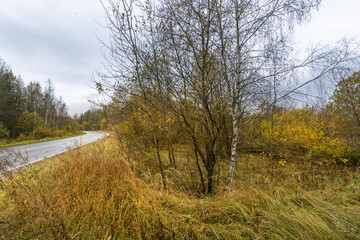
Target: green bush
{"x":28,"y":123}
{"x":4,"y":132}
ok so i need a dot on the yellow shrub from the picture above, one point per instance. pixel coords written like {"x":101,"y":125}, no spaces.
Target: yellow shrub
{"x":302,"y":130}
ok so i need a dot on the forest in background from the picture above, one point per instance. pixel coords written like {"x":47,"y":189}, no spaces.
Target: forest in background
{"x":32,"y":111}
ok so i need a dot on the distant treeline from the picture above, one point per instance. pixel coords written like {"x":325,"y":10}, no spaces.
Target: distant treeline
{"x":33,"y":111}
{"x":92,"y":119}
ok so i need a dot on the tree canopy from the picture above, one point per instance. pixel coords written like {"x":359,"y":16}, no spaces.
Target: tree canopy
{"x":211,"y":66}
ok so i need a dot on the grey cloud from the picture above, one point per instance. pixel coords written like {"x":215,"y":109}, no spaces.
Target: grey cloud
{"x":44,"y":39}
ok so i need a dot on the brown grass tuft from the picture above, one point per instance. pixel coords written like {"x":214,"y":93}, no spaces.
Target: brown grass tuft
{"x":92,"y":193}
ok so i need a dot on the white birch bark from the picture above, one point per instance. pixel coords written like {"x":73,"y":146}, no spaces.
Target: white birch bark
{"x":235,"y":107}
{"x":234,"y":140}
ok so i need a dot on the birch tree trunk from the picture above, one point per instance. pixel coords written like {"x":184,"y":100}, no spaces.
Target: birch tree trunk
{"x":234,"y":140}
{"x":235,"y":104}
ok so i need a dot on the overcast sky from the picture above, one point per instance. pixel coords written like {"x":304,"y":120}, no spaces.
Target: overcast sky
{"x":335,"y":19}
{"x":42,"y":39}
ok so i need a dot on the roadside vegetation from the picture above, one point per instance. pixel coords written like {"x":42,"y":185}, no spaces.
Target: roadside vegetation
{"x":95,"y":193}
{"x":297,"y":177}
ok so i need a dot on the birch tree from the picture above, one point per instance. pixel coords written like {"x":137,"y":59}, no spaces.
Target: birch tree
{"x":212,"y":64}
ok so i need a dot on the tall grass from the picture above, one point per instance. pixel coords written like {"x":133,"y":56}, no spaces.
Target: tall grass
{"x":93,"y":193}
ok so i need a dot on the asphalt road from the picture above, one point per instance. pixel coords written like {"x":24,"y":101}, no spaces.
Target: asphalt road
{"x":13,"y":157}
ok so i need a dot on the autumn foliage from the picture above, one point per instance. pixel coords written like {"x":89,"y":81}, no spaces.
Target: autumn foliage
{"x":303,"y":131}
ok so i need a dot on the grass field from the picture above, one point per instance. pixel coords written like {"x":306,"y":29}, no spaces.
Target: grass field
{"x":94,"y":193}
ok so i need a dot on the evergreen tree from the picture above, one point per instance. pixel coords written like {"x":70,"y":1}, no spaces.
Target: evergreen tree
{"x":12,"y":98}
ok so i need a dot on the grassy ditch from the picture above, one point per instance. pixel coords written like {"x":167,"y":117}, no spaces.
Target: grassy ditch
{"x":93,"y":193}
{"x":18,"y":143}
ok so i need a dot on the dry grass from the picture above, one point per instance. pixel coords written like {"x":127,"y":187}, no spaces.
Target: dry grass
{"x":92,"y":193}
